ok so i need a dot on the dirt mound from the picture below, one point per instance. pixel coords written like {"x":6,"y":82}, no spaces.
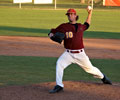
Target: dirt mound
{"x":72,"y":91}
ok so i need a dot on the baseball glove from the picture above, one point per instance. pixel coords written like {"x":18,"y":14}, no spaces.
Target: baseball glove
{"x":58,"y":37}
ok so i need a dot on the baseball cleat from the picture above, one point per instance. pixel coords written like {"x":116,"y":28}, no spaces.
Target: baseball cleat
{"x":56,"y":89}
{"x":105,"y":80}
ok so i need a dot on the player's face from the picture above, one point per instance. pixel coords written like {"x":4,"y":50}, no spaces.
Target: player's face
{"x":72,"y":17}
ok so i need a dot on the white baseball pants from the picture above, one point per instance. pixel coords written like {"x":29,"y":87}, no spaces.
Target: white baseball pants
{"x":81,"y":59}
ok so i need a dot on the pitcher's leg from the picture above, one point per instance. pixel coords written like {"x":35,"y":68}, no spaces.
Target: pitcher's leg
{"x":89,"y":68}
{"x":64,"y":60}
{"x":83,"y":60}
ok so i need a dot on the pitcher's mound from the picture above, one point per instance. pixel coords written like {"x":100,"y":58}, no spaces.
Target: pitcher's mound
{"x":72,"y":91}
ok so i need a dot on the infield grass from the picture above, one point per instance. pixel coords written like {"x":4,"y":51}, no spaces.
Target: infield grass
{"x":20,"y":70}
{"x":37,"y":22}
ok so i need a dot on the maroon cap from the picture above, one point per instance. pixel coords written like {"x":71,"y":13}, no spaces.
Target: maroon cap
{"x":71,"y":11}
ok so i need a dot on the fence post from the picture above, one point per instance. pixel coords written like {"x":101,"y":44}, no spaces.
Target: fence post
{"x":55,"y":4}
{"x":92,"y":4}
{"x":19,"y":5}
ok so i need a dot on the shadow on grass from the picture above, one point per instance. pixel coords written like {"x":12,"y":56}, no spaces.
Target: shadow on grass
{"x":101,"y":34}
{"x":21,"y":29}
{"x":88,"y":34}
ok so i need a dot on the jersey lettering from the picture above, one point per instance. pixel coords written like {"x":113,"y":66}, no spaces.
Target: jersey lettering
{"x":69,"y":35}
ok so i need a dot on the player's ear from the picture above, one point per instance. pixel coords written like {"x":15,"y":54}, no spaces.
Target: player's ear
{"x":77,"y":17}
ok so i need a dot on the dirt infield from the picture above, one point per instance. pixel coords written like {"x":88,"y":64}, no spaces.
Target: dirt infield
{"x":37,"y":46}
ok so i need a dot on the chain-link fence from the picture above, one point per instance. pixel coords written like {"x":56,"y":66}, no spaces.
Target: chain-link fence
{"x":60,"y":4}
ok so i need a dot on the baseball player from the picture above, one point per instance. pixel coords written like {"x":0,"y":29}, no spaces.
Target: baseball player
{"x":72,"y":34}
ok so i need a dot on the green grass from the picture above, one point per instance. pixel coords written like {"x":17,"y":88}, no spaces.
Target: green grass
{"x":15,"y":70}
{"x":36,"y":22}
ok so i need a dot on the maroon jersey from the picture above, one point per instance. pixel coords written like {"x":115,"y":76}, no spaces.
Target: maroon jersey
{"x":73,"y":36}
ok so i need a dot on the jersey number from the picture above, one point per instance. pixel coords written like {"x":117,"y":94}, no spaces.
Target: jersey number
{"x":69,"y":35}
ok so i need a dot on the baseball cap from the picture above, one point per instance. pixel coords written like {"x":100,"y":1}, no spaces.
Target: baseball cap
{"x":71,"y":11}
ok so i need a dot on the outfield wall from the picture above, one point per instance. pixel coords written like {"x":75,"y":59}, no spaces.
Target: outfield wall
{"x":61,"y":4}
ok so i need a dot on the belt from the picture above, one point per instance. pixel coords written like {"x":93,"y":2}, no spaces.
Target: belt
{"x":75,"y":51}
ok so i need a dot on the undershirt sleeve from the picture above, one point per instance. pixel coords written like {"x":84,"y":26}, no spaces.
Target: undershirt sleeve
{"x":87,"y":25}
